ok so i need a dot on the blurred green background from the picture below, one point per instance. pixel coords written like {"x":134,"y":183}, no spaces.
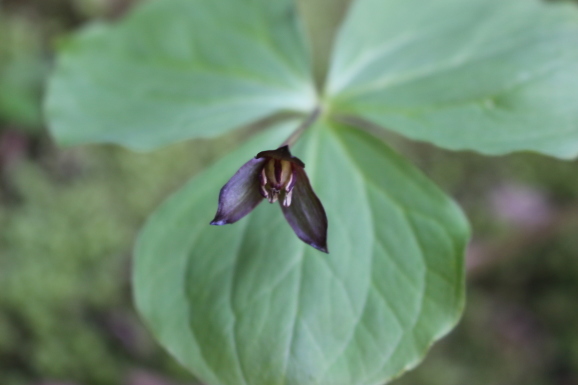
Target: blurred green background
{"x":68,"y":218}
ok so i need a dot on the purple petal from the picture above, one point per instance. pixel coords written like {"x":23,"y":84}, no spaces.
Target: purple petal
{"x":306,"y":214}
{"x":241,"y":194}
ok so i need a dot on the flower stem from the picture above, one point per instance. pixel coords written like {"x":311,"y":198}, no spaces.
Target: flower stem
{"x":308,"y":122}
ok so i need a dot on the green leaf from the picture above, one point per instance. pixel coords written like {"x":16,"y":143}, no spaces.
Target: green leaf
{"x":488,"y":75}
{"x":250,"y":303}
{"x":178,"y":69}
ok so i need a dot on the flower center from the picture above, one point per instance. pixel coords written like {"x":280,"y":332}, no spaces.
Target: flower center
{"x":277,"y":181}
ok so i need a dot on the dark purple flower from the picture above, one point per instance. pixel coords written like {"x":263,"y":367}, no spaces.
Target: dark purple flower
{"x":276,"y":176}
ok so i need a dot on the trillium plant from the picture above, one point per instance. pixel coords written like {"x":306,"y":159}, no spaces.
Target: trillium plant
{"x":260,"y":301}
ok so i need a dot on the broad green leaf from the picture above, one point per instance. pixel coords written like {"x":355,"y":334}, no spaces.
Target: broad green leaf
{"x":488,"y":75}
{"x":178,"y":69}
{"x":251,"y":304}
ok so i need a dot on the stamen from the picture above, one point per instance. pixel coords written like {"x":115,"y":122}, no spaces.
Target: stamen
{"x":269,"y":170}
{"x":272,"y":198}
{"x":277,"y":177}
{"x":287,"y":199}
{"x":286,"y":171}
{"x":290,"y":183}
{"x":263,"y":191}
{"x":279,"y":166}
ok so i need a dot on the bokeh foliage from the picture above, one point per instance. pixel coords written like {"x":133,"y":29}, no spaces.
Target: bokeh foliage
{"x":68,"y":222}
